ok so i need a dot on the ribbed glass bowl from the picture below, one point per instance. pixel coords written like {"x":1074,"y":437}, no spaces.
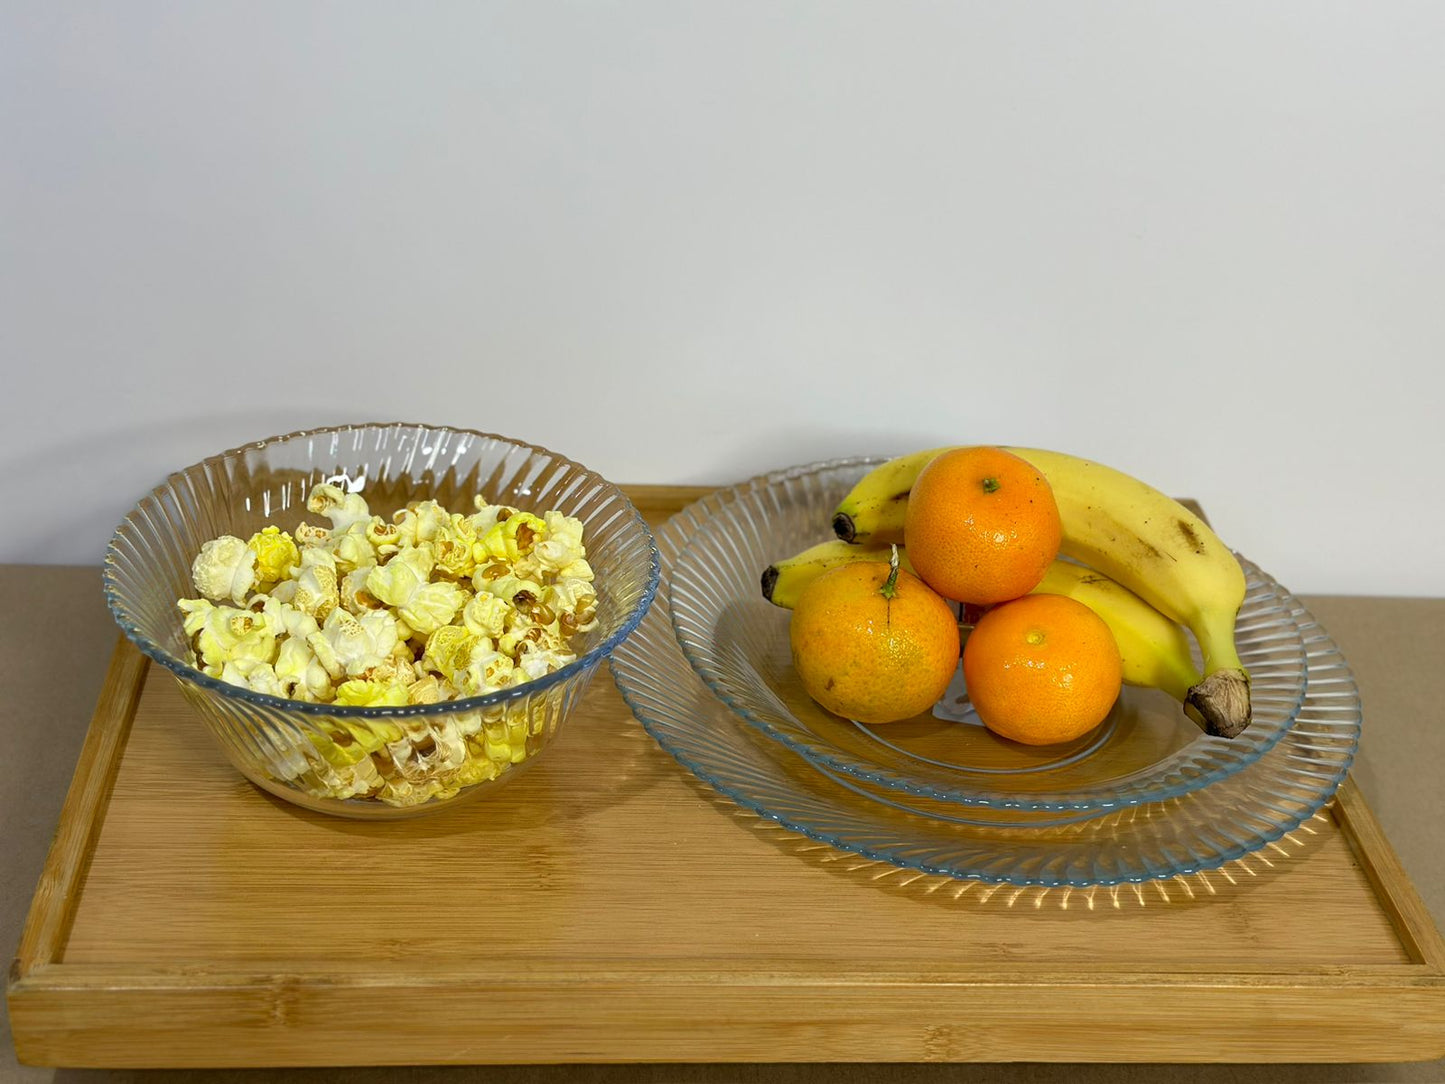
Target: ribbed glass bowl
{"x":305,"y":752}
{"x":1199,"y":830}
{"x":1145,"y":751}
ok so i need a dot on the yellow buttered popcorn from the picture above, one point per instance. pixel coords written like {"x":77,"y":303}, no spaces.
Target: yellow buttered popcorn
{"x":361,"y":693}
{"x":405,"y":583}
{"x":561,"y":545}
{"x":448,"y":650}
{"x":486,"y":614}
{"x":301,"y":674}
{"x":276,"y":555}
{"x":224,"y":635}
{"x":423,"y":608}
{"x":487,"y":671}
{"x":514,"y":537}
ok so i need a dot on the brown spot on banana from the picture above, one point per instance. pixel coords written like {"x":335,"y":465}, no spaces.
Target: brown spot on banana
{"x":1191,"y":536}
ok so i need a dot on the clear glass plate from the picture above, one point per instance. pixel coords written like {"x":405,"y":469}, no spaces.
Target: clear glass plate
{"x":1193,"y":832}
{"x":1147,"y":749}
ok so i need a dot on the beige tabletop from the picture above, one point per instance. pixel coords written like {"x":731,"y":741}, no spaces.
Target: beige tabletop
{"x":51,"y":667}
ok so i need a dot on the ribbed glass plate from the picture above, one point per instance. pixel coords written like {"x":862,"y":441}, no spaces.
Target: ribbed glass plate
{"x":1200,"y":830}
{"x":1146,"y":750}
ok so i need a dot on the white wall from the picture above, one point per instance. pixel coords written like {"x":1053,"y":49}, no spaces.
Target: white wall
{"x":695,"y":241}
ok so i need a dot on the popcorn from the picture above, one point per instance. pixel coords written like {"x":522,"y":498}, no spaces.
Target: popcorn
{"x":301,"y":673}
{"x":430,"y":690}
{"x":341,"y":508}
{"x":224,"y":569}
{"x":355,"y":598}
{"x":537,"y":664}
{"x":510,"y":588}
{"x":224,"y":634}
{"x":420,"y":522}
{"x":276,"y":555}
{"x":384,"y":537}
{"x":360,"y":693}
{"x":448,"y":650}
{"x":404,"y":582}
{"x":353,"y":549}
{"x":485,"y":615}
{"x":562,"y":543}
{"x":425,"y":608}
{"x":254,"y":674}
{"x":317,"y":590}
{"x":455,"y":554}
{"x":349,"y":646}
{"x":488,"y":671}
{"x":514,"y":537}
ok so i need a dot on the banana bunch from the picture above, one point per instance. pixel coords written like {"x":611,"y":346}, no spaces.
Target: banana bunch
{"x":1136,"y":557}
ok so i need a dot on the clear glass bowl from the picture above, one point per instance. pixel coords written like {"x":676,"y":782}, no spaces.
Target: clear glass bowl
{"x":1145,"y":751}
{"x":307,"y":752}
{"x":1196,"y":831}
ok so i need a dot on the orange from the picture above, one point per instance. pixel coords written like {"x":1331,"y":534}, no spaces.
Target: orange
{"x":982,"y":525}
{"x":1042,"y":669}
{"x":873,"y":644}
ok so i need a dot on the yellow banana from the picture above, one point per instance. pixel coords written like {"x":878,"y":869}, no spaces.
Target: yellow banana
{"x":1154,"y":650}
{"x":784,"y":581}
{"x":1136,"y":535}
{"x":873,"y":512}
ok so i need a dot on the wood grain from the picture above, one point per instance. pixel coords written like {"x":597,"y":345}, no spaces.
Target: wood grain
{"x":604,"y":842}
{"x":58,"y":890}
{"x":1388,"y":878}
{"x":607,"y":907}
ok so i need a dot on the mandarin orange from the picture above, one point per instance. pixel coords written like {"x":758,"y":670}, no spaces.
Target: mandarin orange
{"x":873,"y":643}
{"x":982,"y":525}
{"x":1042,"y":669}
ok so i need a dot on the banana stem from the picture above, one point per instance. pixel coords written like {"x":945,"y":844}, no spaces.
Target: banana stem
{"x":1214,"y":630}
{"x":1222,"y":700}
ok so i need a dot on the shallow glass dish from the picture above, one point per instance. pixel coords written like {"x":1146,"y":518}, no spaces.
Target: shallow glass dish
{"x":1195,"y":831}
{"x":309,"y":753}
{"x":1145,"y":751}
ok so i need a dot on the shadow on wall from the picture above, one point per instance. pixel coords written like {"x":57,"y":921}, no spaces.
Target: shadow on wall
{"x":73,"y":492}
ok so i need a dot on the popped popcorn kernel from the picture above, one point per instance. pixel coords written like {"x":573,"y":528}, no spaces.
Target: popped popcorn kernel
{"x":361,"y":693}
{"x":276,"y":555}
{"x":224,"y":569}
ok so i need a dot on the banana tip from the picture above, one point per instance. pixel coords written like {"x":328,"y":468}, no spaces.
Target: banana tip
{"x":843,"y":527}
{"x":769,"y":581}
{"x":1222,"y":703}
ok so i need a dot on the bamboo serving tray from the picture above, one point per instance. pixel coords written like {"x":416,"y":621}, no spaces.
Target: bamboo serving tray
{"x":607,"y":907}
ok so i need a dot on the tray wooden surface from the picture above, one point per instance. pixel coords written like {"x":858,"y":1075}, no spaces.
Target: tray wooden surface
{"x":606,"y":907}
